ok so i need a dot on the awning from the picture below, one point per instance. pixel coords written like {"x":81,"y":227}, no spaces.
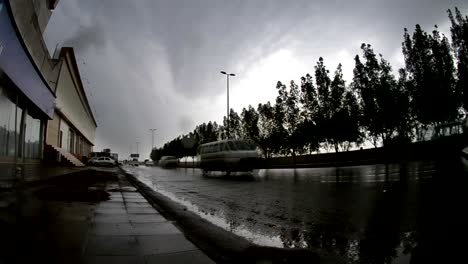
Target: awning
{"x":17,"y":65}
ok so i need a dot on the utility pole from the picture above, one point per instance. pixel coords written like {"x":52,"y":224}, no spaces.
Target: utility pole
{"x":227,"y":116}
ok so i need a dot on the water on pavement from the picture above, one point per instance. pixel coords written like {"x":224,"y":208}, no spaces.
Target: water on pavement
{"x":380,"y":213}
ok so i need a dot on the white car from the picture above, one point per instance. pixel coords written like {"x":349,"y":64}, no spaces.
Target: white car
{"x":102,"y":161}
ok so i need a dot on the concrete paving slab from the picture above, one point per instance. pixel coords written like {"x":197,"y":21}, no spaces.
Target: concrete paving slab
{"x":110,"y":211}
{"x":146,"y":218}
{"x":112,"y":245}
{"x":111,"y":204}
{"x":116,"y":199}
{"x":136,"y":193}
{"x":193,"y":257}
{"x":135,"y":200}
{"x":133,"y":197}
{"x":111,"y":218}
{"x":112,"y":229}
{"x":150,"y":245}
{"x":140,"y":210}
{"x":138,"y":205}
{"x":163,"y":228}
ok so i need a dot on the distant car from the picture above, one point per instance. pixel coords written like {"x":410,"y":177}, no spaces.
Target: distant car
{"x":102,"y":161}
{"x":134,"y":162}
{"x":149,"y":163}
{"x":168,"y":162}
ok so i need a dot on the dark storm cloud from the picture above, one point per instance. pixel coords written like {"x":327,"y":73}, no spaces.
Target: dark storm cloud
{"x":87,"y":37}
{"x":155,"y":64}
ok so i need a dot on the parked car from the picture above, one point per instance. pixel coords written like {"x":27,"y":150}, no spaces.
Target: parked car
{"x":102,"y":161}
{"x":168,"y":161}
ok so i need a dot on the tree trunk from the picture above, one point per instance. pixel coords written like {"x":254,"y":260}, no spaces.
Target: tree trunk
{"x":294,"y":157}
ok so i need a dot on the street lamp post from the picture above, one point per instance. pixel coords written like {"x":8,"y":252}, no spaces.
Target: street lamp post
{"x":227,"y":116}
{"x":152,"y":138}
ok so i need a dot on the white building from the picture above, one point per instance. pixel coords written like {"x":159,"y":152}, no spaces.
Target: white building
{"x":72,"y":129}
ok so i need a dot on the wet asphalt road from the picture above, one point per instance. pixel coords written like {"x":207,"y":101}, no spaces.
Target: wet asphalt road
{"x":397,"y":213}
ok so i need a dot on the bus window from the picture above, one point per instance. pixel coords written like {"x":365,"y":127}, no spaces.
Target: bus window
{"x":240,"y":145}
{"x":232,"y":146}
{"x":224,"y":147}
{"x":252,"y":146}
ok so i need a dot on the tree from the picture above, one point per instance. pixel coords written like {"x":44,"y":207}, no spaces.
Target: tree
{"x":322,"y":81}
{"x":278,"y":143}
{"x":402,"y":110}
{"x":249,"y":119}
{"x":444,"y":80}
{"x":292,"y":120}
{"x":430,"y":67}
{"x":369,"y":74}
{"x":351,"y":115}
{"x":307,"y":130}
{"x":386,"y":95}
{"x":337,"y":116}
{"x":378,"y":94}
{"x":205,"y":133}
{"x":309,"y":99}
{"x":266,"y":128}
{"x":235,"y":128}
{"x":459,"y":32}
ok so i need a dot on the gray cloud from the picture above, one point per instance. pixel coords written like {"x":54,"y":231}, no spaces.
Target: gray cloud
{"x":86,"y":37}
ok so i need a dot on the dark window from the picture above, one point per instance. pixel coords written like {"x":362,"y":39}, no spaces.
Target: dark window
{"x":232,"y":146}
{"x":60,"y":138}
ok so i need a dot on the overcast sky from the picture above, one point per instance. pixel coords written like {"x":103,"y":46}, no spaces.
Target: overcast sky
{"x":155,"y":64}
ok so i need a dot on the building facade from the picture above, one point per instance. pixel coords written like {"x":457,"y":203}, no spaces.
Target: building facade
{"x":44,"y":112}
{"x":72,"y":129}
{"x":26,"y":93}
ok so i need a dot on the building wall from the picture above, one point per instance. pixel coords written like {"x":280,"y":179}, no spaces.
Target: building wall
{"x":31,"y":17}
{"x":53,"y":128}
{"x":71,"y":104}
{"x":64,"y":128}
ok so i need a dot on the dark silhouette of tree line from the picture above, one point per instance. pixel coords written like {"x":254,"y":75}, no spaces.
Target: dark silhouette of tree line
{"x":429,"y":95}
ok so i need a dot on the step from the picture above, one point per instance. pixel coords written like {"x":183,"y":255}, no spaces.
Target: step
{"x":68,"y":156}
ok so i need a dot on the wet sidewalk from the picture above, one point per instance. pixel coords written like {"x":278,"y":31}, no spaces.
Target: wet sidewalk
{"x":123,"y":229}
{"x":127,"y":229}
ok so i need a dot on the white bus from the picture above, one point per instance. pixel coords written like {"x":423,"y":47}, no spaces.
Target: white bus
{"x":228,"y":156}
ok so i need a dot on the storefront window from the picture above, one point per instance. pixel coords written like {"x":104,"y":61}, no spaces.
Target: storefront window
{"x":9,"y":132}
{"x":32,"y":141}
